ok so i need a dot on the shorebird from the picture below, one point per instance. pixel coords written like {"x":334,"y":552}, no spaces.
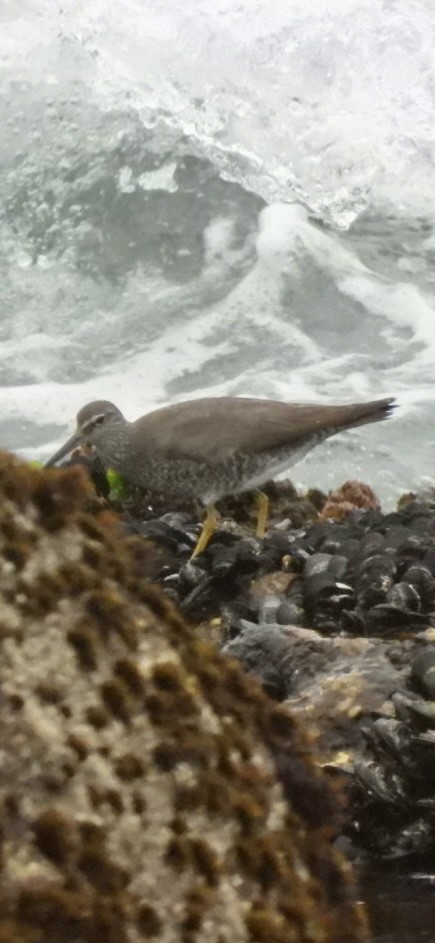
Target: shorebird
{"x":209,"y":448}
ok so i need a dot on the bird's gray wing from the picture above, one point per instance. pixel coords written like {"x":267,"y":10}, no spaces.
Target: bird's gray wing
{"x":211,"y":429}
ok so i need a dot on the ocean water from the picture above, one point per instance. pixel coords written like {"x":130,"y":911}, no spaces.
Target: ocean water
{"x":227,"y":198}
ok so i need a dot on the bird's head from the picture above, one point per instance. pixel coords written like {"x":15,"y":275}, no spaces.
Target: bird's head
{"x":92,"y":422}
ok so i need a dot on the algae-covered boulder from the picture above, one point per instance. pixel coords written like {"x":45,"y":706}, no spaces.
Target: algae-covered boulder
{"x":139,"y":793}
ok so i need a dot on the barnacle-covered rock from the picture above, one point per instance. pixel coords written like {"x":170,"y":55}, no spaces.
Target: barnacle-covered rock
{"x":351,"y":495}
{"x":138,"y":784}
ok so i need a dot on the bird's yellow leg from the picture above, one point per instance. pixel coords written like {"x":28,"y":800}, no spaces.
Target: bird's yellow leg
{"x":263,"y":513}
{"x":208,"y":529}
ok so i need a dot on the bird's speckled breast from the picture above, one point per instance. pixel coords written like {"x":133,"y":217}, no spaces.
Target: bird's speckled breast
{"x":187,"y":478}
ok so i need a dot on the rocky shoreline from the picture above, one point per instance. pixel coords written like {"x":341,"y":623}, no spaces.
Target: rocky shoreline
{"x":150,"y":788}
{"x":333,"y":611}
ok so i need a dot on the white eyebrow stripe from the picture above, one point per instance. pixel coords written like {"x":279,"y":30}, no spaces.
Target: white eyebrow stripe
{"x":91,"y":422}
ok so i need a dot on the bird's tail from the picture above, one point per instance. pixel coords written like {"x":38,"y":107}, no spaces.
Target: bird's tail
{"x":358,"y":414}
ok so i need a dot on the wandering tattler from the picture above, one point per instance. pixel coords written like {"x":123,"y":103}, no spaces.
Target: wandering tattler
{"x":208,"y":448}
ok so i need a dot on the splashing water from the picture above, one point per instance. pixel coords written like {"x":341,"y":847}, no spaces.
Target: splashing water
{"x":225,"y":198}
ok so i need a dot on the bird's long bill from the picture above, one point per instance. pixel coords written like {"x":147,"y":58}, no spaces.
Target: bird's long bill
{"x":65,"y":449}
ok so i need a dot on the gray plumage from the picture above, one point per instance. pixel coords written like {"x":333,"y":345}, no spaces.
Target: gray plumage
{"x":210,"y":447}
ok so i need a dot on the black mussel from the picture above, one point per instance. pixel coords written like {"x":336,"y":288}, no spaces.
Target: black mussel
{"x":206,"y":599}
{"x":190,"y":575}
{"x":322,"y":566}
{"x":375,"y":568}
{"x":337,"y":565}
{"x":423,"y":672}
{"x":428,"y":805}
{"x":278,"y":544}
{"x":162,"y":532}
{"x":326,"y":617}
{"x":404,"y":596}
{"x":316,"y":564}
{"x":417,"y":515}
{"x":353,"y":621}
{"x":350,"y":547}
{"x":331,"y":546}
{"x":237,"y":612}
{"x":393,"y":520}
{"x":401,"y":702}
{"x":335,"y":597}
{"x":343,"y":597}
{"x":411,"y":551}
{"x":385,"y":618}
{"x":375,"y":593}
{"x":422,"y":753}
{"x":321,"y":575}
{"x":325,"y":586}
{"x":318,"y":533}
{"x":242,"y":556}
{"x":428,"y":560}
{"x":324,"y":593}
{"x":223,"y":563}
{"x":336,"y":542}
{"x":415,"y":838}
{"x":388,"y":735}
{"x":421,"y":578}
{"x":372,"y":543}
{"x":171,"y":582}
{"x":370,"y":520}
{"x":415,"y":710}
{"x":248,"y":549}
{"x":383,"y":785}
{"x":394,"y":538}
{"x":274,"y":547}
{"x":180,"y":520}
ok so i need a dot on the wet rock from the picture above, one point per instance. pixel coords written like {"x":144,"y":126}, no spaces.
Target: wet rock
{"x":264,"y":652}
{"x":334,"y":684}
{"x":289,"y":613}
